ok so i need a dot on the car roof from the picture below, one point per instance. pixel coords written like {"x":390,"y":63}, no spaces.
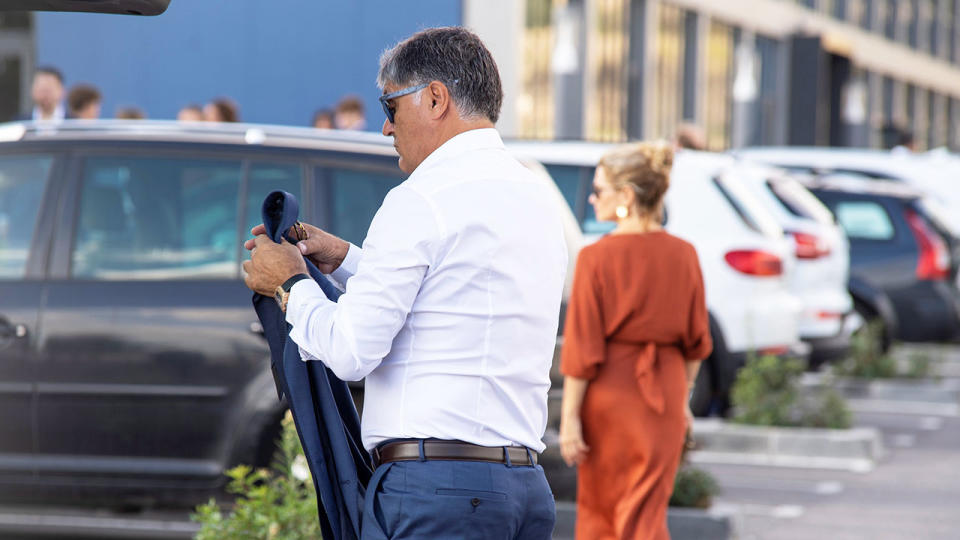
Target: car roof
{"x":882,"y":163}
{"x":851,"y":183}
{"x":197,"y":132}
{"x":588,"y":154}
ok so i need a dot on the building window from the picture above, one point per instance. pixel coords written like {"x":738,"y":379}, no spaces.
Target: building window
{"x":668,"y":108}
{"x":535,"y":108}
{"x":607,"y":53}
{"x":718,"y":84}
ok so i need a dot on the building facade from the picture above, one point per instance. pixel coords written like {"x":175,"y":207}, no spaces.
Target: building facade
{"x":749,"y":72}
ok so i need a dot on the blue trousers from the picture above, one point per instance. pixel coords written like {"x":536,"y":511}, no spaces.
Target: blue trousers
{"x":457,"y":500}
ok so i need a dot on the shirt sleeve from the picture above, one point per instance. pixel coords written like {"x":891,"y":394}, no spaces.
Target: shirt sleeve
{"x":347,"y":268}
{"x":697,"y":344}
{"x":584,"y":339}
{"x":353,"y":335}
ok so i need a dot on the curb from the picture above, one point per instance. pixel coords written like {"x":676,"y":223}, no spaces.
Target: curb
{"x":856,"y":449}
{"x":925,"y":396}
{"x":715,"y":523}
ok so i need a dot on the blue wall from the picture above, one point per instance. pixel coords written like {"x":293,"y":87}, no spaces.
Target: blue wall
{"x":280,"y":60}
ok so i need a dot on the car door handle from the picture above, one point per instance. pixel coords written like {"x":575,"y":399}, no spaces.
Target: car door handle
{"x":10,"y":332}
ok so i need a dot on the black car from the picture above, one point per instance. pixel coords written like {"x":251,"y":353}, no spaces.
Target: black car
{"x":131,"y":360}
{"x":901,"y":263}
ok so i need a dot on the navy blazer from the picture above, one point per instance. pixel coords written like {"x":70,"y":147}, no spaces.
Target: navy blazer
{"x":321,"y":404}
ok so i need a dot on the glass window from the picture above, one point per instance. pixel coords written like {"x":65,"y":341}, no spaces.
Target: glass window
{"x":567,"y":178}
{"x":267,"y":177}
{"x":22,"y":182}
{"x":864,"y":220}
{"x":157,"y":218}
{"x":799,"y":201}
{"x":355,"y":197}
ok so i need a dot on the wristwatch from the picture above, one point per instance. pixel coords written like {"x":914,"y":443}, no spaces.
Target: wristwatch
{"x":282,"y":294}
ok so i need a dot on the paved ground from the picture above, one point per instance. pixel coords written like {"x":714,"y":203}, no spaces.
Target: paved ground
{"x":913,"y":493}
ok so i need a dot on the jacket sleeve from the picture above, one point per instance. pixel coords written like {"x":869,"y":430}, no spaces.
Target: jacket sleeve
{"x":697,"y":344}
{"x":584,"y":340}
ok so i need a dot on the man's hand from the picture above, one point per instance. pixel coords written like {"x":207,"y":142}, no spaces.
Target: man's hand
{"x":271,"y":264}
{"x":322,"y":248}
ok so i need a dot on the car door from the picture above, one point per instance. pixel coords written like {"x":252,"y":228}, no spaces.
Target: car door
{"x":150,"y":346}
{"x":26,"y":208}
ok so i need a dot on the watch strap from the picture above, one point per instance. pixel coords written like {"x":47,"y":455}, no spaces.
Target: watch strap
{"x":288,"y":284}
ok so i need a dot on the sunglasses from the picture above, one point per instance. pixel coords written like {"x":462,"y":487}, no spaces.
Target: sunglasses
{"x":388,"y":109}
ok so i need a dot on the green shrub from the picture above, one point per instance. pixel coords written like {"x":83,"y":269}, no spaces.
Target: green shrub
{"x":766,"y":394}
{"x":275,"y":504}
{"x":919,"y":366}
{"x":693,"y":488}
{"x":866,"y":355}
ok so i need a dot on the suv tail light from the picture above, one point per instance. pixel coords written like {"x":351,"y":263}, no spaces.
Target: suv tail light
{"x":934,"y":261}
{"x":810,"y":246}
{"x":755,"y":262}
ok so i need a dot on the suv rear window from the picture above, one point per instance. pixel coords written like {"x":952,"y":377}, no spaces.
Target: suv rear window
{"x":23,"y":180}
{"x":747,"y":207}
{"x":797,"y":200}
{"x":865,"y":220}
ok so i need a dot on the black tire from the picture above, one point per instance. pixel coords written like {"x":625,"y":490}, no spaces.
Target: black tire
{"x":871,"y":316}
{"x":703,"y":390}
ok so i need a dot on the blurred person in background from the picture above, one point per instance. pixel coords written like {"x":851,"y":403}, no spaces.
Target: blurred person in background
{"x":47,"y":94}
{"x":636,"y":331}
{"x":130,"y":113}
{"x":906,"y":143}
{"x":690,"y":137}
{"x":84,"y":102}
{"x":221,"y":110}
{"x":190,"y":113}
{"x":349,"y":114}
{"x":323,"y":119}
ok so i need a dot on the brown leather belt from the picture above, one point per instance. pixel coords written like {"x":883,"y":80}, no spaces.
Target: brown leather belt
{"x":452,"y":451}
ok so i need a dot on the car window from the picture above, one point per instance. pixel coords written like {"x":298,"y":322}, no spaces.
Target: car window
{"x":798,"y":200}
{"x":265,"y":178}
{"x":22,"y":183}
{"x":568,"y":178}
{"x":750,"y":210}
{"x":864,"y":220}
{"x":355,"y":197}
{"x":157,"y":218}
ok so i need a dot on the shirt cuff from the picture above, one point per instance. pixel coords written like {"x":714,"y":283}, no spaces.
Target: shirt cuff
{"x":303,"y":295}
{"x":348,"y":267}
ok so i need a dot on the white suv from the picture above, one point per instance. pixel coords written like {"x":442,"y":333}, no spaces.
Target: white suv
{"x":746,"y":261}
{"x":823,"y":259}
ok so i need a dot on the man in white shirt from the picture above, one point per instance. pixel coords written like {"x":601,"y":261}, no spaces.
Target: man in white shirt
{"x":450,"y":311}
{"x":47,"y":94}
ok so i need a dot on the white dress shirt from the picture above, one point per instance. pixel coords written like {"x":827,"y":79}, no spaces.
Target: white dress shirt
{"x":451,"y":308}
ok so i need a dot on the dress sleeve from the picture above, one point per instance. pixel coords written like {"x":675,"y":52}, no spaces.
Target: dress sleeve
{"x":584,"y":340}
{"x":697,"y":344}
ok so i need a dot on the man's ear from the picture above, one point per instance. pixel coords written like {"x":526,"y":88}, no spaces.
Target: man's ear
{"x":439,"y":97}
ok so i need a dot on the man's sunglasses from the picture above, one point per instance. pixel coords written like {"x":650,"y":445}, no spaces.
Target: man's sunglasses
{"x":385,"y":99}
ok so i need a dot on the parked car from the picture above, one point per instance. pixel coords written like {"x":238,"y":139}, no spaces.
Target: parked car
{"x":827,"y":320}
{"x":133,"y":365}
{"x":745,"y":259}
{"x":933,"y":174}
{"x":896,"y":247}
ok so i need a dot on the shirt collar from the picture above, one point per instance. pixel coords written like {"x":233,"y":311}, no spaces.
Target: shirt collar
{"x":474,"y":139}
{"x":59,"y":113}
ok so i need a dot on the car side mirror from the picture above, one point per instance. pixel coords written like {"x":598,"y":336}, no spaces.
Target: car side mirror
{"x":125,"y":7}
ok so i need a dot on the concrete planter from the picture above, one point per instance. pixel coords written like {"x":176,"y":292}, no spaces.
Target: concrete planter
{"x":905,"y":396}
{"x":718,"y":441}
{"x":718,"y":523}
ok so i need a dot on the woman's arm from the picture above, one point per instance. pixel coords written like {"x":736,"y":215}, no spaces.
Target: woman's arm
{"x":572,"y":447}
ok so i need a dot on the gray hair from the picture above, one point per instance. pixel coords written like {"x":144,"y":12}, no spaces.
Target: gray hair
{"x":454,"y":56}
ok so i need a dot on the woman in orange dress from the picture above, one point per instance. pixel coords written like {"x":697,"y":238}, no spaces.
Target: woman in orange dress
{"x":635,"y":334}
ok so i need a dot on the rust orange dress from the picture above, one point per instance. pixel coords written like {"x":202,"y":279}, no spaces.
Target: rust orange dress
{"x":636,"y":314}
